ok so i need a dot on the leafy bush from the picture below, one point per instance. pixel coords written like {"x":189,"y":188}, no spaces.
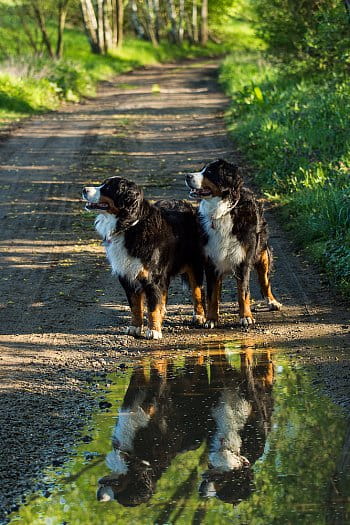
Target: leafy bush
{"x":295,"y":131}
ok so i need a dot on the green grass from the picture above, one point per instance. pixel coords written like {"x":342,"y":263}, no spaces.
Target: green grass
{"x":295,"y":132}
{"x":31,"y":85}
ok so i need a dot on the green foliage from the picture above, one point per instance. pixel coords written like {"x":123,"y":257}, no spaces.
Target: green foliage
{"x":38,"y":84}
{"x":311,"y":33}
{"x":295,"y":131}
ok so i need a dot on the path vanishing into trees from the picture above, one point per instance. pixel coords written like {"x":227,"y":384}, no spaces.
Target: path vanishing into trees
{"x":62,"y":313}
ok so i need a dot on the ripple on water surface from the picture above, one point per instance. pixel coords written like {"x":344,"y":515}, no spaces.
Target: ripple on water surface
{"x":219,"y":434}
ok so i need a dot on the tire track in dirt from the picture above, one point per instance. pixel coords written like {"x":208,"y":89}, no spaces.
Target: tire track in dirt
{"x":62,"y":313}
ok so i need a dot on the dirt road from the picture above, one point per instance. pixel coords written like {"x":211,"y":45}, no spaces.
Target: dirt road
{"x":62,"y":313}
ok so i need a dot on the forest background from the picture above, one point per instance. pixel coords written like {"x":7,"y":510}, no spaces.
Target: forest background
{"x":284,"y":64}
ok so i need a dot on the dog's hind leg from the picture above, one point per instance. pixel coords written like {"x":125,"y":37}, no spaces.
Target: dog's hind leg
{"x":263,"y":267}
{"x":242,"y":277}
{"x":195,"y":280}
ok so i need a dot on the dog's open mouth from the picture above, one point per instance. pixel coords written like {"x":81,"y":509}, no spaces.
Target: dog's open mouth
{"x":91,"y":206}
{"x":200,"y":193}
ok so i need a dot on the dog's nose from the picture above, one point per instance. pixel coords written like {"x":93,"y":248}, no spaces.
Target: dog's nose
{"x":84,"y":192}
{"x":189,"y":177}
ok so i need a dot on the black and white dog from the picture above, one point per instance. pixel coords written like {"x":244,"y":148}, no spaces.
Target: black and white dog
{"x":168,"y":410}
{"x":146,"y":245}
{"x":234,"y":236}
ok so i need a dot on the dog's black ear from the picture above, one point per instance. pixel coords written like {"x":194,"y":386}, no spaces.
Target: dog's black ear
{"x":132,"y":198}
{"x":231,"y":179}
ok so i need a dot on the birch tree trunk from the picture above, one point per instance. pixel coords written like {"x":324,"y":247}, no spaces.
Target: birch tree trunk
{"x":195,"y":22}
{"x":138,"y":27}
{"x":172,"y":17}
{"x":90,"y":24}
{"x":120,"y":12}
{"x":100,"y":32}
{"x":204,"y":22}
{"x":181,"y":21}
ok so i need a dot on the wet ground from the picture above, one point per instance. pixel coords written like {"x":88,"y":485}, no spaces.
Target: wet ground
{"x":62,"y":314}
{"x":215,"y":434}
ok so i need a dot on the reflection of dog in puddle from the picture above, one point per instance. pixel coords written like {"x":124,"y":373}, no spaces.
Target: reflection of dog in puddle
{"x":174,"y":411}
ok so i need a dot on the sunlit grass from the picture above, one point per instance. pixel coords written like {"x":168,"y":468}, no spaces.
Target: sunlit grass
{"x":295,"y":132}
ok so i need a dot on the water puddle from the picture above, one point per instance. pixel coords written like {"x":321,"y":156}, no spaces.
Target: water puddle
{"x":221,"y":434}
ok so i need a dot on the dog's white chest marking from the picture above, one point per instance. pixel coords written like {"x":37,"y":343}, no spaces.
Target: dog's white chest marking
{"x":129,"y":422}
{"x":122,"y":263}
{"x":222,"y":247}
{"x":230,"y":416}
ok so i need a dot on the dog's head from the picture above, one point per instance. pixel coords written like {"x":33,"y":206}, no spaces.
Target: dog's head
{"x":217,"y":179}
{"x":117,"y":196}
{"x":130,"y":488}
{"x":231,"y":486}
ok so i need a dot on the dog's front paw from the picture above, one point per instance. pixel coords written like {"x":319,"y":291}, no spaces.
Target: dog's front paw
{"x":210,"y":323}
{"x":198,"y":320}
{"x":133,"y":330}
{"x":153,"y":334}
{"x":246,"y":322}
{"x":273,"y":304}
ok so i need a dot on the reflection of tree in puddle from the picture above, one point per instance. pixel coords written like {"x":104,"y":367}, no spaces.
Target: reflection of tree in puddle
{"x":168,"y":410}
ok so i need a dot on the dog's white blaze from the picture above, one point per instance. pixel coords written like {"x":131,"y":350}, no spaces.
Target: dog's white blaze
{"x":93,"y":194}
{"x":197,"y":179}
{"x":222,"y":247}
{"x":106,"y":493}
{"x":129,"y":422}
{"x":230,"y":416}
{"x":122,"y":263}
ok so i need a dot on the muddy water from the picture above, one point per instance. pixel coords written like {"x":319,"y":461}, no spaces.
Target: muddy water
{"x":219,"y":434}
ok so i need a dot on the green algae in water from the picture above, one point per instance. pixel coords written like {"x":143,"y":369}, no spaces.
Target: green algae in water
{"x":292,"y":476}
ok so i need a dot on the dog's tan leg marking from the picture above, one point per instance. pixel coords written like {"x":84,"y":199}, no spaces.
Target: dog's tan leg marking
{"x":263,"y":270}
{"x":213,"y":304}
{"x":197,"y":299}
{"x":136,"y":306}
{"x":155,"y":318}
{"x":270,"y":374}
{"x":245,"y":314}
{"x":164,"y":302}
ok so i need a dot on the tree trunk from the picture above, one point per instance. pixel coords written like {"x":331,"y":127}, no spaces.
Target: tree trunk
{"x":181,"y":20}
{"x":41,"y":23}
{"x":138,"y":28}
{"x":172,"y":17}
{"x":156,"y":19}
{"x":107,"y":29}
{"x":150,"y":19}
{"x":62,"y":14}
{"x":100,"y":31}
{"x":114,"y":22}
{"x":195,"y":22}
{"x":120,"y":12}
{"x":90,"y":24}
{"x":204,"y":22}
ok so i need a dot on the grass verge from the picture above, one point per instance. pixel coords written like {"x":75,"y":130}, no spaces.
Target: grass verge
{"x":295,"y":132}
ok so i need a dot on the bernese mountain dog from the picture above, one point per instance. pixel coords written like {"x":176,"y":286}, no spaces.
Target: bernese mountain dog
{"x":147,"y":244}
{"x":167,"y":411}
{"x":235,"y":237}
